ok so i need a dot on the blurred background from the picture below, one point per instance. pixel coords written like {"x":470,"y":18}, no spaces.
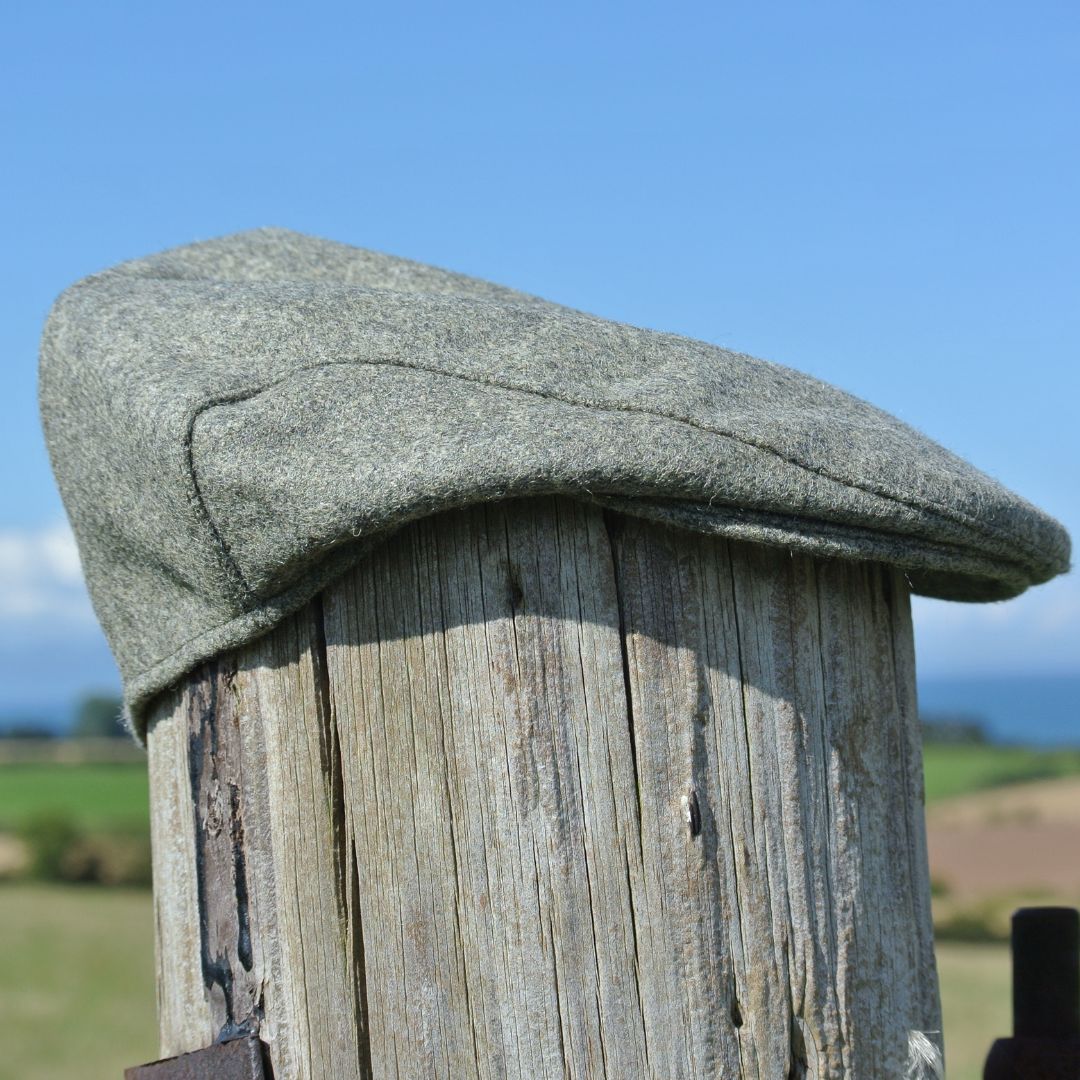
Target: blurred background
{"x":881,"y":195}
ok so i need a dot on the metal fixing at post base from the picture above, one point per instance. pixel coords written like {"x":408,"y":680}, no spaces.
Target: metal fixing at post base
{"x":239,"y":1059}
{"x":1046,"y":999}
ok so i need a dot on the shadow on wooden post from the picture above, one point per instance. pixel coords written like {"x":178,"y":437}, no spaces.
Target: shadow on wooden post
{"x":540,"y":790}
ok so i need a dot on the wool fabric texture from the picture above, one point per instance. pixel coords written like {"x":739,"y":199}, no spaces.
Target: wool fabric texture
{"x":235,"y":423}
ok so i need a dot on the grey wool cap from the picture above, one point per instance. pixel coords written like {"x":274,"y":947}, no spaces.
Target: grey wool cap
{"x":234,"y":423}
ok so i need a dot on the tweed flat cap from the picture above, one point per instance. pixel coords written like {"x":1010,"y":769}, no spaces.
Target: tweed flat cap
{"x":234,"y":423}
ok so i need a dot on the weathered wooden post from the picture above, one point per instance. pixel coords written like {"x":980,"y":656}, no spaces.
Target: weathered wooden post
{"x":525,"y":695}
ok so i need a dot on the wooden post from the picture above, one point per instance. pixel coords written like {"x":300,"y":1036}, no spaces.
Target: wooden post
{"x":541,"y":790}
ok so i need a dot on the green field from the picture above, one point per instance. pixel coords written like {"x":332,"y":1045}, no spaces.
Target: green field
{"x":102,"y":796}
{"x":975,"y":1003}
{"x":93,"y":796}
{"x":77,"y":987}
{"x":77,"y":996}
{"x":77,"y":992}
{"x":959,"y":770}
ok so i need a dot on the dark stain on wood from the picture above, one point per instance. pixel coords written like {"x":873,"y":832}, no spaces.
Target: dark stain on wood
{"x":221,"y":870}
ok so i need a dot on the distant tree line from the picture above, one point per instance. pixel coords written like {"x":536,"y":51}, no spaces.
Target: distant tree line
{"x":954,"y":729}
{"x":96,"y":716}
{"x":99,"y":715}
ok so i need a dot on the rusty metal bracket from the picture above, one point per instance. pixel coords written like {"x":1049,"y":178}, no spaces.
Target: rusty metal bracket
{"x":240,"y":1059}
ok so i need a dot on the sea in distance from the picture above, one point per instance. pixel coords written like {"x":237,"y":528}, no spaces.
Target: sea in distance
{"x":1028,"y":710}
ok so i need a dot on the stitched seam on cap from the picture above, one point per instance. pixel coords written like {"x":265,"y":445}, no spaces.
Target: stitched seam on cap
{"x":243,"y":591}
{"x":929,"y":507}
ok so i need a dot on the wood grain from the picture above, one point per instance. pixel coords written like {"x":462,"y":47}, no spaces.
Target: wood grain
{"x":541,"y":790}
{"x":250,"y":852}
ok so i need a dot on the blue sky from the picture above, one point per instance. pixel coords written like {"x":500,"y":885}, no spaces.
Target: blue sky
{"x":882,"y":195}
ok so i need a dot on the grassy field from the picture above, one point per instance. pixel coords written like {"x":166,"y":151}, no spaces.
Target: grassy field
{"x":958,"y":770}
{"x":94,"y":796}
{"x":76,"y":963}
{"x":102,"y":796}
{"x":77,"y":987}
{"x":975,"y":1003}
{"x":77,"y":998}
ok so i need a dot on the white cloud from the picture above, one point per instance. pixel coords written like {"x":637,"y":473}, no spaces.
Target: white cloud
{"x":1037,"y":632}
{"x":40,"y":577}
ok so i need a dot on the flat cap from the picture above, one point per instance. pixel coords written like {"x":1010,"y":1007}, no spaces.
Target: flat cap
{"x":234,"y":423}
